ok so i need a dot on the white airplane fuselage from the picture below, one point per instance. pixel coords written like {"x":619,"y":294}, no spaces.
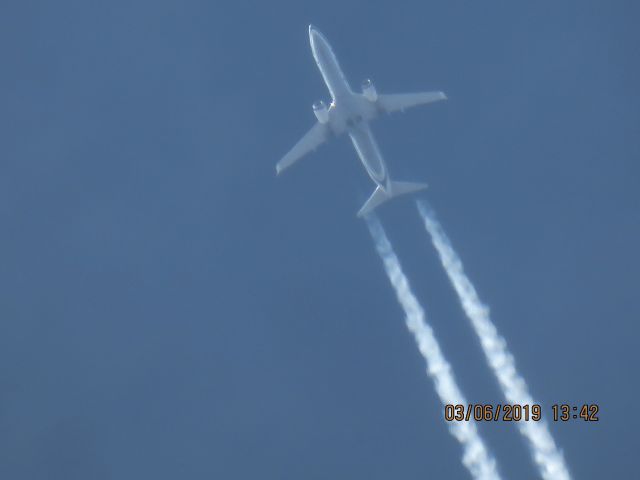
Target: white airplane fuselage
{"x":349,"y":111}
{"x":352,"y":112}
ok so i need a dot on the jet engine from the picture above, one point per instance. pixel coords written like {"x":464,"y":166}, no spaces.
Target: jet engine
{"x":369,"y":91}
{"x":321,"y":111}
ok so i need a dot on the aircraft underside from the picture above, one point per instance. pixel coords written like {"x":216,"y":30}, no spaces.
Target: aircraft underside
{"x":351,"y":112}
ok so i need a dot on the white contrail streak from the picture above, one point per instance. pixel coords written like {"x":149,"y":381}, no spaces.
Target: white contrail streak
{"x":546,"y":455}
{"x":475,"y":456}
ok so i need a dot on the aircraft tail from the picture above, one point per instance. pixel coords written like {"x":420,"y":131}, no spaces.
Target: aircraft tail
{"x":381,"y":195}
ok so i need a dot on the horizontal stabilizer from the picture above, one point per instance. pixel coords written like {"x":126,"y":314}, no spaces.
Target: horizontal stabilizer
{"x":378,"y":197}
{"x":400,"y":188}
{"x":381,"y":195}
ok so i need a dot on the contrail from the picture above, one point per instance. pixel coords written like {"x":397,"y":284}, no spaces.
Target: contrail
{"x":475,"y":455}
{"x":546,"y":455}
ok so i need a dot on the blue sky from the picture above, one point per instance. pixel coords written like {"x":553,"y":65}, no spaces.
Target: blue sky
{"x":172,"y":309}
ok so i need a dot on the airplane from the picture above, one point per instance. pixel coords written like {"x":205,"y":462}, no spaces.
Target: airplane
{"x":351,"y":112}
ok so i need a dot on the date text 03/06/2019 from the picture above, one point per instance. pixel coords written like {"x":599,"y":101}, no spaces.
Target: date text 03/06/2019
{"x":516,"y":412}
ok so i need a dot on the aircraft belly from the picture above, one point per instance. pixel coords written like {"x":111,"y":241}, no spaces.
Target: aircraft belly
{"x":369,"y":153}
{"x":330,"y":69}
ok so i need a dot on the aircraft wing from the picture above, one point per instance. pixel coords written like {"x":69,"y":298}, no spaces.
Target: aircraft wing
{"x":400,"y":101}
{"x":315,"y":137}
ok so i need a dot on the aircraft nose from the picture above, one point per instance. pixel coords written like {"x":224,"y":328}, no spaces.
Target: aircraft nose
{"x":315,"y":37}
{"x":312,"y":31}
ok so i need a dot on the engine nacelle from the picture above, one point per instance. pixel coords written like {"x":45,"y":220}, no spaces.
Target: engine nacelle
{"x":321,"y":111}
{"x":369,"y":91}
